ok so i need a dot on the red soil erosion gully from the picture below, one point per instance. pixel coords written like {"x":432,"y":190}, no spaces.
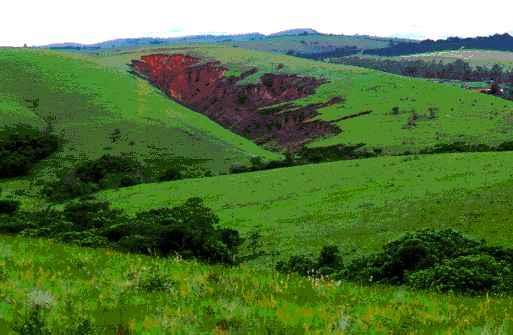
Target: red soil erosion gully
{"x":241,"y":108}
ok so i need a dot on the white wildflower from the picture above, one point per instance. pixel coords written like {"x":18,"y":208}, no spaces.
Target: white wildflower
{"x":40,"y":299}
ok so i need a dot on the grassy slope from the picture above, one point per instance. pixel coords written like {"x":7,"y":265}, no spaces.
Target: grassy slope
{"x":355,"y":204}
{"x":89,"y":101}
{"x":358,"y":205}
{"x":473,"y":57}
{"x":461,"y":114}
{"x":312,"y":43}
{"x":102,"y":287}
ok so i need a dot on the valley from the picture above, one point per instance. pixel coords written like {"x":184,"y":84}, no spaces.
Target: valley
{"x":256,"y":184}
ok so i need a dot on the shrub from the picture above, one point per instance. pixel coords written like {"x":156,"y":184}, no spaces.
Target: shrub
{"x":470,"y":274}
{"x":9,"y":207}
{"x":328,"y":262}
{"x":299,"y":264}
{"x":441,"y":260}
{"x":410,"y":253}
{"x":153,"y":281}
{"x":16,"y":223}
{"x":21,"y":147}
{"x":86,"y":215}
{"x":93,"y":175}
{"x":395,"y":110}
{"x":253,"y":246}
{"x":172,"y":173}
{"x":190,"y":230}
{"x":84,"y":239}
{"x":178,"y":172}
{"x":230,"y":237}
{"x":330,"y":258}
{"x":334,"y":153}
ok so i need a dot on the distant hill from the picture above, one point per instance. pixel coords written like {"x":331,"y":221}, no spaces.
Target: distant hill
{"x":88,"y":102}
{"x":499,"y":42}
{"x":318,"y":46}
{"x":153,"y":41}
{"x":296,"y":32}
{"x":302,"y":42}
{"x":392,"y":113}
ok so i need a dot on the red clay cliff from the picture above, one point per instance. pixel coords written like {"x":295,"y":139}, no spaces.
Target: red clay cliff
{"x":241,"y":108}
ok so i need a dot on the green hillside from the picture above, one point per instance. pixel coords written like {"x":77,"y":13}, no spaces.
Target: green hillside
{"x":358,"y":205}
{"x":473,"y":57}
{"x":313,"y":43}
{"x":80,"y":290}
{"x":87,"y":102}
{"x":445,"y":114}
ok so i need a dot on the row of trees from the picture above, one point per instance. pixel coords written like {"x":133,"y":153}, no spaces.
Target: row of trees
{"x":190,"y":230}
{"x":500,"y":42}
{"x":322,"y":54}
{"x":445,"y":261}
{"x":457,"y":70}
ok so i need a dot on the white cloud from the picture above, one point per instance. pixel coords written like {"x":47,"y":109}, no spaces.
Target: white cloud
{"x":41,"y":22}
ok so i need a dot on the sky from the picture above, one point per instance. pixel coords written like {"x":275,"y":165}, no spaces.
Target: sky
{"x":39,"y":22}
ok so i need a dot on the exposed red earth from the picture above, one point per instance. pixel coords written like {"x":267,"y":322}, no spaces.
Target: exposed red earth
{"x":204,"y":88}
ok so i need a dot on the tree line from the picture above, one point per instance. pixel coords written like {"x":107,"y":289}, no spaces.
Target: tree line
{"x":457,"y":70}
{"x":499,"y":42}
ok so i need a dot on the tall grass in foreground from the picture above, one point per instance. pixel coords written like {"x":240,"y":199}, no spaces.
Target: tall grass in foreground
{"x":70,"y":290}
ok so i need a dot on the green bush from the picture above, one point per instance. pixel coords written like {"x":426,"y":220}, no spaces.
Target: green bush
{"x":471,"y":274}
{"x":86,"y":215}
{"x":22,"y":147}
{"x":189,"y":230}
{"x":179,"y":171}
{"x":14,"y":224}
{"x":93,"y":175}
{"x":172,"y":173}
{"x":412,"y":252}
{"x":153,"y":281}
{"x":328,"y":262}
{"x":299,"y":264}
{"x":84,"y":239}
{"x":440,"y":260}
{"x":9,"y":207}
{"x":428,"y":259}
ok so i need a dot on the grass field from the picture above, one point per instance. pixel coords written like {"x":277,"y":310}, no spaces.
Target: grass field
{"x":460,"y":115}
{"x":87,"y":102}
{"x":130,"y":104}
{"x":312,"y":43}
{"x":357,"y":205}
{"x":473,"y":57}
{"x":73,"y":286}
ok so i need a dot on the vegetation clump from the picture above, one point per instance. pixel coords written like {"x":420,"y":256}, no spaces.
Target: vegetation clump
{"x":189,"y":230}
{"x":467,"y":147}
{"x":9,"y":206}
{"x":309,"y":156}
{"x":22,"y":147}
{"x":328,"y":262}
{"x":444,"y":261}
{"x":178,"y":172}
{"x":113,"y":171}
{"x":152,"y":280}
{"x":90,"y":176}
